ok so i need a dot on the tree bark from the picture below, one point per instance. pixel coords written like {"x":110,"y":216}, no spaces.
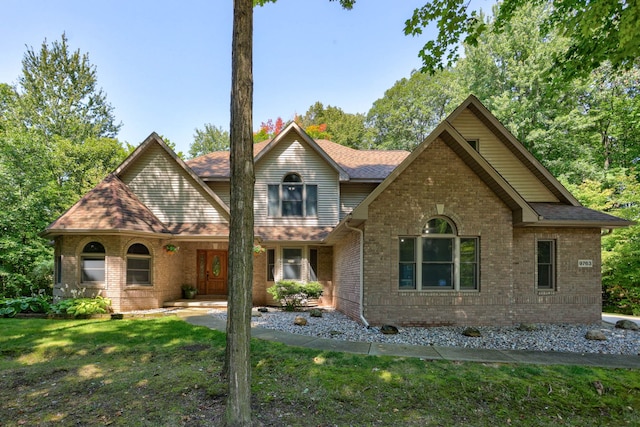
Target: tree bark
{"x":238,"y":363}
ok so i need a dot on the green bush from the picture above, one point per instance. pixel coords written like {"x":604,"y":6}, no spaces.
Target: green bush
{"x":292,"y":294}
{"x":9,"y":307}
{"x":622,"y":299}
{"x":81,"y":307}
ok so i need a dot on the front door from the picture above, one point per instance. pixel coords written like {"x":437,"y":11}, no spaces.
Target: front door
{"x":212,"y":272}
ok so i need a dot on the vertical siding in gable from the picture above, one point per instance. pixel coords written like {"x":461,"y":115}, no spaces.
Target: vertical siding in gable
{"x":502,"y":159}
{"x":167,"y":190}
{"x":293,"y":155}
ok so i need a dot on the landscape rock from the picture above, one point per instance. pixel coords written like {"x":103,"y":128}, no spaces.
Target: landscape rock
{"x":595,"y":335}
{"x":627,"y":324}
{"x":263,"y":310}
{"x":300,"y":321}
{"x":315,"y":313}
{"x":527,"y":327}
{"x":472,"y":332}
{"x":389,"y":330}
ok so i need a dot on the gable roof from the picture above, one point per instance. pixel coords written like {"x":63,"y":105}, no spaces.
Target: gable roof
{"x":112,"y":206}
{"x":474,"y":105}
{"x":349,"y":163}
{"x":155,"y":140}
{"x":569,"y":213}
{"x":109,"y":206}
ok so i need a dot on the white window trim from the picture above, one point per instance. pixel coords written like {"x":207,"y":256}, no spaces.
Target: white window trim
{"x":554,"y":265}
{"x":138,"y":256}
{"x":303,"y":183}
{"x":305,"y":268}
{"x":456,"y":263}
{"x":84,"y":255}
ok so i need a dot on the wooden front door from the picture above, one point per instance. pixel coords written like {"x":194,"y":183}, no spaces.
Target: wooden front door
{"x":212,"y":272}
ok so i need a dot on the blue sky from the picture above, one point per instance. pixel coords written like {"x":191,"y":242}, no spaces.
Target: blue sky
{"x":165,"y":66}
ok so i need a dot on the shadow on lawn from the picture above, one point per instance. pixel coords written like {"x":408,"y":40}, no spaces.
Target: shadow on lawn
{"x":41,"y":340}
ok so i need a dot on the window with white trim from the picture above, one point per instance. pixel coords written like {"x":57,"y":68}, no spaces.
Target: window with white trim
{"x":138,"y":265}
{"x":92,"y":263}
{"x":546,"y":264}
{"x":439,"y":259}
{"x":292,"y":263}
{"x":292,"y":197}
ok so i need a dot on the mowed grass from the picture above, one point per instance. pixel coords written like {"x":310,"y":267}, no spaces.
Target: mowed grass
{"x":166,"y":372}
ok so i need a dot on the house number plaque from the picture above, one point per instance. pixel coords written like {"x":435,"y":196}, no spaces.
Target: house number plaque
{"x":585,"y":263}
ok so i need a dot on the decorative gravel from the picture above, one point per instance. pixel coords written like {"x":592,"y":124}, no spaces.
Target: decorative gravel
{"x":561,"y":338}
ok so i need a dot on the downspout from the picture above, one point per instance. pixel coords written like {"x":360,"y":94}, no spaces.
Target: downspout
{"x":361,"y":233}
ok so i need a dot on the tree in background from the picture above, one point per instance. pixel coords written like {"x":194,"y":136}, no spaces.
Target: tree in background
{"x":268,"y":130}
{"x":598,"y":31}
{"x":211,"y":138}
{"x":59,"y":95}
{"x":412,"y":108}
{"x":56,"y":143}
{"x":334,"y":124}
{"x":513,"y":74}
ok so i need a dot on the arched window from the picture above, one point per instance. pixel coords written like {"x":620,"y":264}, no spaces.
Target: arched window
{"x":138,"y":265}
{"x":292,"y":197}
{"x":439,"y":259}
{"x":92,"y":263}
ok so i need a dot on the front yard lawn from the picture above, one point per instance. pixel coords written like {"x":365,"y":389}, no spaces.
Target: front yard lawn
{"x":166,"y":372}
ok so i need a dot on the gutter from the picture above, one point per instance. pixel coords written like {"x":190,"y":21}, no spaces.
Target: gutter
{"x":361,"y":233}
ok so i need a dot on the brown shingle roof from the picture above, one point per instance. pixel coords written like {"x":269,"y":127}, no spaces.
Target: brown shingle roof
{"x":111,"y":205}
{"x":557,"y":212}
{"x":216,"y":164}
{"x":359,"y":164}
{"x":363,"y":164}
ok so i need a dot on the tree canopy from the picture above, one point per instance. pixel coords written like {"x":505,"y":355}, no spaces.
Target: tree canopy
{"x":211,"y":138}
{"x":598,"y":31}
{"x":56,"y":143}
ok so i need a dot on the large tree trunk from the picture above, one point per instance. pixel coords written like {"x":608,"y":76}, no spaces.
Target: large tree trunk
{"x":238,"y":366}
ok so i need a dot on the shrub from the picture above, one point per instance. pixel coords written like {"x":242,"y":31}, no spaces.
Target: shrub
{"x":9,"y":307}
{"x":81,"y":307}
{"x":622,"y":299}
{"x":292,"y":294}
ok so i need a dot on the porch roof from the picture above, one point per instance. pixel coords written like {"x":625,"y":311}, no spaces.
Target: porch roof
{"x":561,"y":214}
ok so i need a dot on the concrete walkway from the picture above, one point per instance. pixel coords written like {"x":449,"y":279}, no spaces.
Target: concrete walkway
{"x":202,"y":318}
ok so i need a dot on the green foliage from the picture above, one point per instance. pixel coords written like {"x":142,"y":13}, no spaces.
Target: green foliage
{"x":60,"y":95}
{"x":412,"y":108}
{"x":212,"y":138}
{"x":56,"y":143}
{"x":332,"y":123}
{"x":81,"y":307}
{"x":176,"y":366}
{"x":293,"y":294}
{"x":9,"y":307}
{"x":598,"y":31}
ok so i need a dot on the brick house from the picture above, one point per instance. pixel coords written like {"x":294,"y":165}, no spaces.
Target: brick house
{"x":469,"y":228}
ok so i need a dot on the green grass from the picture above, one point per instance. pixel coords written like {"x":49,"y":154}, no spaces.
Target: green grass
{"x":166,"y":372}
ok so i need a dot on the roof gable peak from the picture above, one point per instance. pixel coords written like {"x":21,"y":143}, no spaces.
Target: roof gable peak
{"x":293,"y":127}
